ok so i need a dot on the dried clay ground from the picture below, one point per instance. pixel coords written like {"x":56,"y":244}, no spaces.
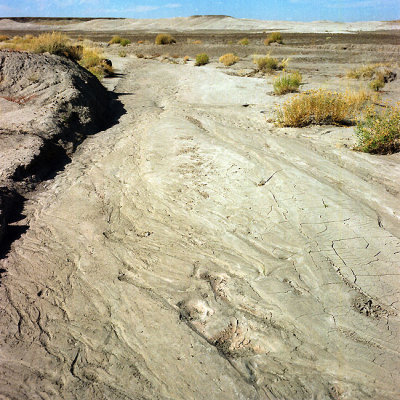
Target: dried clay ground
{"x":195,"y":250}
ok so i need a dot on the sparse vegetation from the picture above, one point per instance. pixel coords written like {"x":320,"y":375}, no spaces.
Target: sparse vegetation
{"x":202,"y":59}
{"x":119,"y":40}
{"x":244,"y":41}
{"x":54,"y":43}
{"x":229,"y":59}
{"x":379,"y":74}
{"x":286,"y":83}
{"x":274,"y":37}
{"x":139,"y":55}
{"x":322,"y":107}
{"x":379,"y":131}
{"x":122,"y":53}
{"x":4,"y":38}
{"x":93,"y":61}
{"x":269,"y":64}
{"x":377,"y":84}
{"x":367,"y":71}
{"x":164,"y":38}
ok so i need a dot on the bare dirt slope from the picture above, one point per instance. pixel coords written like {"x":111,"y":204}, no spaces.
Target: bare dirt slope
{"x":195,"y":251}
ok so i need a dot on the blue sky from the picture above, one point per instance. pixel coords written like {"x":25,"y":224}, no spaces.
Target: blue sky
{"x":296,"y":10}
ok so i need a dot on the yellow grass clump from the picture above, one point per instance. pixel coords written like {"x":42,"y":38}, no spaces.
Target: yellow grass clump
{"x":322,"y":107}
{"x":164,"y":38}
{"x":229,"y":59}
{"x":273,"y":37}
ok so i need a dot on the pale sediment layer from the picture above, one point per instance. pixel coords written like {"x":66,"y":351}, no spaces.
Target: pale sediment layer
{"x":196,"y":251}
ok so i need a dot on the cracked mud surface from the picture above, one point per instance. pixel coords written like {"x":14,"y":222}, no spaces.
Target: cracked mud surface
{"x":195,"y":251}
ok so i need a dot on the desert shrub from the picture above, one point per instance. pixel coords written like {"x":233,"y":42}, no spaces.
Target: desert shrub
{"x":244,"y":41}
{"x":115,"y":39}
{"x":322,"y":107}
{"x":229,"y":59}
{"x":367,"y":71}
{"x":286,"y":83}
{"x":93,"y":61}
{"x":125,"y":42}
{"x":274,"y":37}
{"x":139,"y":55}
{"x":119,"y":40}
{"x":122,"y":53}
{"x":266,"y":63}
{"x":202,"y":59}
{"x":379,"y":131}
{"x":53,"y":43}
{"x":186,"y":59}
{"x":4,"y":38}
{"x":377,"y":84}
{"x":164,"y":38}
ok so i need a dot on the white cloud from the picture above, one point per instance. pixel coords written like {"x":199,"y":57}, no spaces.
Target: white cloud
{"x":173,"y":5}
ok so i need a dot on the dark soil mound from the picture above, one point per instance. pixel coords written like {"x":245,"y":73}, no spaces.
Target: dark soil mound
{"x":48,"y":104}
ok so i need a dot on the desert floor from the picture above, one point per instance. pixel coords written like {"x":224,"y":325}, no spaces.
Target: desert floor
{"x":195,"y":250}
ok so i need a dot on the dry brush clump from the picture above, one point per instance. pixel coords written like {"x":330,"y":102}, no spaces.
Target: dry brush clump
{"x":378,"y":131}
{"x":287,"y":83}
{"x":60,"y":44}
{"x":322,"y":107}
{"x":202,"y":59}
{"x":273,"y":37}
{"x":379,"y":74}
{"x":269,"y":64}
{"x":119,"y":40}
{"x":54,"y":43}
{"x":164,"y":38}
{"x":229,"y":59}
{"x":244,"y":42}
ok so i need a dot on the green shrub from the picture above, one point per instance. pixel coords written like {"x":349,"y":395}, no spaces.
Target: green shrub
{"x":115,"y":40}
{"x":125,"y":42}
{"x":379,"y":131}
{"x":322,"y":107}
{"x":164,"y":38}
{"x":286,"y":83}
{"x":274,"y":37}
{"x":244,"y":42}
{"x":202,"y":59}
{"x":377,"y":84}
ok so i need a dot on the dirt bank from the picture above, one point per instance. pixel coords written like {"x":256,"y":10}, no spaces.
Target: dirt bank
{"x":48,"y":106}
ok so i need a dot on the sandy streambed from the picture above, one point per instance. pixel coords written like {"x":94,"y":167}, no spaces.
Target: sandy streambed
{"x":195,"y":251}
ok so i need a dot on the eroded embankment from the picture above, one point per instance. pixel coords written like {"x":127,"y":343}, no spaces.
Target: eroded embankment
{"x":48,"y":106}
{"x":194,"y":251}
